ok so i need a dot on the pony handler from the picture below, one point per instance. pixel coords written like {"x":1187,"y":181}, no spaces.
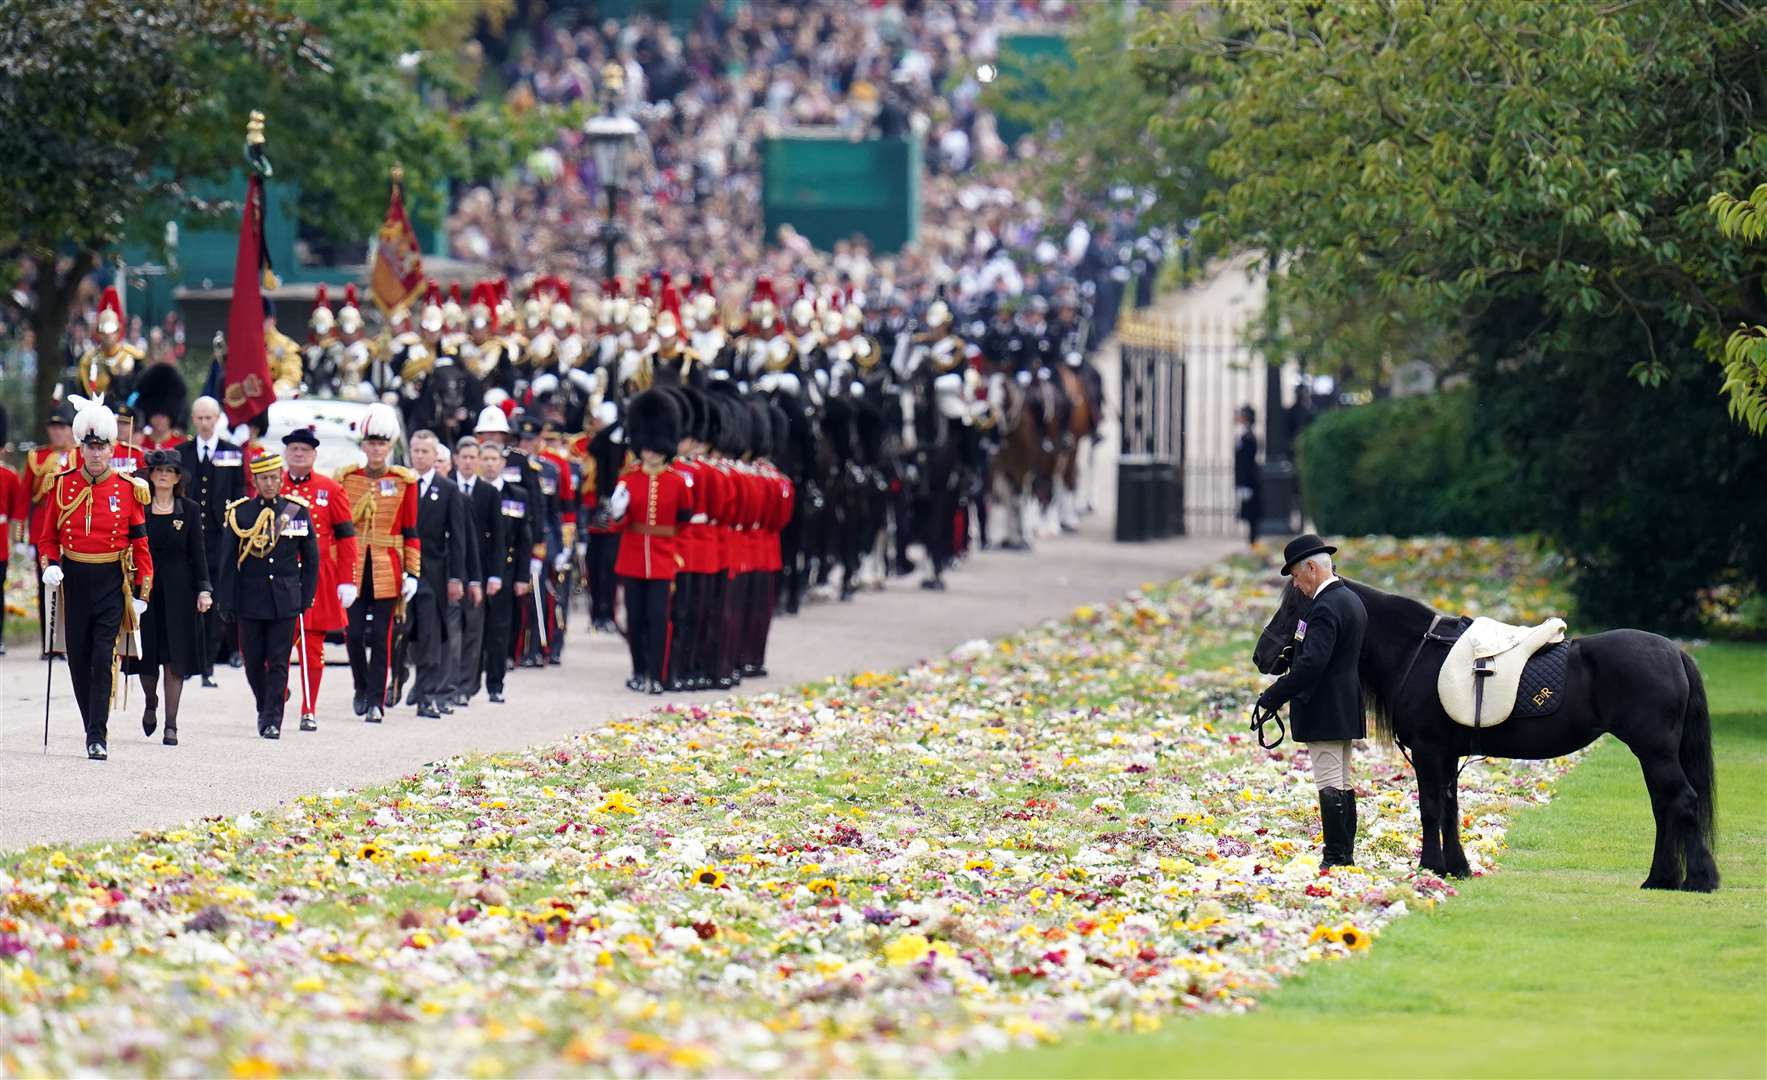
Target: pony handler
{"x":1637,"y":686}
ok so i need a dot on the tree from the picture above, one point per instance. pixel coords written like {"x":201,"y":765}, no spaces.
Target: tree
{"x":1745,"y":350}
{"x":1454,"y":158}
{"x":113,"y":112}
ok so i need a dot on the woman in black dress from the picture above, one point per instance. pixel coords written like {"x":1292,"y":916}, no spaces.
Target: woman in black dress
{"x":180,"y":592}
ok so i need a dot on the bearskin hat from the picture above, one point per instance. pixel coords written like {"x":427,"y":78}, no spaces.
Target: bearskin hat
{"x":161,"y":389}
{"x":653,"y":422}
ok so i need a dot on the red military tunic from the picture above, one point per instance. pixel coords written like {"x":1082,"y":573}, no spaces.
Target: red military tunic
{"x":384,"y":509}
{"x":569,"y":490}
{"x":128,"y":459}
{"x":15,"y":505}
{"x":100,"y":520}
{"x":649,"y":542}
{"x":172,"y":441}
{"x":335,"y":533}
{"x":699,"y":537}
{"x":42,"y":466}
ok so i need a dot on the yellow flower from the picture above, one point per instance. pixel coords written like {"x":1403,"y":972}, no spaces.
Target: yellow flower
{"x":618,"y":802}
{"x":1353,"y":937}
{"x":907,"y":949}
{"x":254,"y":1068}
{"x":709,"y":877}
{"x":307,"y":985}
{"x":978,"y":864}
{"x":371,"y":853}
{"x":1323,"y":933}
{"x":421,"y":856}
{"x":825,"y":886}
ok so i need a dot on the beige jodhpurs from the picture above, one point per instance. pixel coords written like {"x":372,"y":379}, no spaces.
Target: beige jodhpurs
{"x":1331,"y":764}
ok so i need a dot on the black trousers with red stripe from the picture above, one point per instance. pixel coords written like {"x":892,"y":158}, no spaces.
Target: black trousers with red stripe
{"x":370,"y":642}
{"x":647,"y":625}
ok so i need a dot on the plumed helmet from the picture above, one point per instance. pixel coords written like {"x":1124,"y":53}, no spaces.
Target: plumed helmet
{"x":110,"y":312}
{"x":432,"y":318}
{"x":93,"y":420}
{"x":638,"y":319}
{"x":453,"y":315}
{"x":491,"y":420}
{"x":381,"y":421}
{"x":161,"y":390}
{"x":321,"y":320}
{"x":939,"y":314}
{"x":653,"y":422}
{"x":349,"y":317}
{"x":483,"y":313}
{"x":668,"y":321}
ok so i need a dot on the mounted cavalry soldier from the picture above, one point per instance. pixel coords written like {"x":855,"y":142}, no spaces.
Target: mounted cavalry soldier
{"x":321,"y":354}
{"x":935,"y":371}
{"x":1325,"y":686}
{"x":92,"y":553}
{"x":110,"y":366}
{"x":269,"y":575}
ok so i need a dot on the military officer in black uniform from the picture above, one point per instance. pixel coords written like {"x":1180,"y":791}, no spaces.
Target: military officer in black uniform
{"x":507,"y":560}
{"x":268,"y":578}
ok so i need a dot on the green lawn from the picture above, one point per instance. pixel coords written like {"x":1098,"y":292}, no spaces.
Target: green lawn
{"x":1558,"y":965}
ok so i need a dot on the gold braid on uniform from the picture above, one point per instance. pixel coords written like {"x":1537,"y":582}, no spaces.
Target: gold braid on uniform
{"x":257,"y":540}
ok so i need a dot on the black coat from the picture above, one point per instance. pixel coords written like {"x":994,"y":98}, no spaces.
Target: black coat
{"x":517,"y":528}
{"x":485,"y":518}
{"x":281,"y":583}
{"x":180,"y":571}
{"x":211,"y":486}
{"x":1247,"y":474}
{"x":1324,"y":683}
{"x":441,"y":529}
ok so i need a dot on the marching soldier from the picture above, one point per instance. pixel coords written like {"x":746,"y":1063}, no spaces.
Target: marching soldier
{"x":555,"y":452}
{"x":268,"y":577}
{"x":649,"y":505}
{"x":126,"y":456}
{"x":95,"y":543}
{"x":536,"y":642}
{"x":321,"y":354}
{"x":602,"y":449}
{"x":334,"y":535}
{"x":383,"y":505}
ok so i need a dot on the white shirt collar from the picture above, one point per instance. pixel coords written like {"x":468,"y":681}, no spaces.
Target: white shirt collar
{"x":1326,"y":584}
{"x":425,"y":479}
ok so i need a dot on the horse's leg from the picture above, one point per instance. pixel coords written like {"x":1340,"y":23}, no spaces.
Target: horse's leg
{"x":1430,"y":784}
{"x":1453,"y":855}
{"x":1672,"y":801}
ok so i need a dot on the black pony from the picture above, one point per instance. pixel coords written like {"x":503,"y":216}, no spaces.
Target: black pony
{"x":1637,"y":686}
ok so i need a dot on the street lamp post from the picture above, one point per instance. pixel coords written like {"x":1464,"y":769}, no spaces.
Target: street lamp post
{"x":610,"y":145}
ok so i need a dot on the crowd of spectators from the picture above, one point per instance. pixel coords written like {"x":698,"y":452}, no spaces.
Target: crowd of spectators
{"x":705,"y":99}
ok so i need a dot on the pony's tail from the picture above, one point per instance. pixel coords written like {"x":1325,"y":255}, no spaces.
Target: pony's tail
{"x":1696,"y":751}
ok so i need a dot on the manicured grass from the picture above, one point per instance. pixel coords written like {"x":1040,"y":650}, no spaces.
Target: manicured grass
{"x":1558,"y":965}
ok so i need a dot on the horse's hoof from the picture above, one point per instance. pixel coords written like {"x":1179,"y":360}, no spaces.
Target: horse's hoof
{"x":1660,"y":883}
{"x":1700,"y":884}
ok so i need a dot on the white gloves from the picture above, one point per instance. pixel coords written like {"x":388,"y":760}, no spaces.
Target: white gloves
{"x":534,"y":569}
{"x":140,"y":607}
{"x":618,"y":501}
{"x":346,"y":594}
{"x":409,"y":588}
{"x":561,"y":562}
{"x":52,"y":575}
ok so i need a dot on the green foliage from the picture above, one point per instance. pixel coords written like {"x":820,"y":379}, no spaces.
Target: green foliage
{"x":1415,"y":466}
{"x":1744,"y":353}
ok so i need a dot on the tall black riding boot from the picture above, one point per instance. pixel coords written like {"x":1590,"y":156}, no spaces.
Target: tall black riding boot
{"x":1337,"y":816}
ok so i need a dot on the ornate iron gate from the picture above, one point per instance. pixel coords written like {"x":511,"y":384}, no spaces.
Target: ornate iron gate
{"x":1182,"y":385}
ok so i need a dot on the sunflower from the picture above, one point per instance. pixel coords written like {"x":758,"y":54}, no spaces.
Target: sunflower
{"x":824,"y":886}
{"x":370,"y":853}
{"x":1324,"y":933}
{"x":1353,"y":937}
{"x":709,"y":877}
{"x":617,"y":802}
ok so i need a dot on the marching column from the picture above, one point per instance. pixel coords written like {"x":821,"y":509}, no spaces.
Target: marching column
{"x":649,"y":504}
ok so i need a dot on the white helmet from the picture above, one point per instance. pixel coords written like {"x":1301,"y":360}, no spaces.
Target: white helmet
{"x":381,"y":421}
{"x":638,"y":319}
{"x":492,"y":421}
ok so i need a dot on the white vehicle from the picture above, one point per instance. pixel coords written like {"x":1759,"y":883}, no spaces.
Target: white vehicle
{"x":336,"y":422}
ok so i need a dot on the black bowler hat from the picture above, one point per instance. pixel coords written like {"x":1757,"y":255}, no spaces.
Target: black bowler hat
{"x":303,"y":436}
{"x":164,"y":459}
{"x":1302,"y":546}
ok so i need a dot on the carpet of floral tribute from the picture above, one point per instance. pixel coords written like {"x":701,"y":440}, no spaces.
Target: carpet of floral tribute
{"x":866,"y":875}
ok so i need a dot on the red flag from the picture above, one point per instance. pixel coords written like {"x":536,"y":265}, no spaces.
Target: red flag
{"x":246,"y":386}
{"x":396,"y":276}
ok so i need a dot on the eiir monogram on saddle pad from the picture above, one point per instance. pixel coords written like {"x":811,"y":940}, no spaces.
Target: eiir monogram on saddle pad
{"x":1495,"y":671}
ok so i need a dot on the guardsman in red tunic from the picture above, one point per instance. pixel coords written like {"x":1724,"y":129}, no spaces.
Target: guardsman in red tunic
{"x":696,"y":601}
{"x":555,"y":451}
{"x":335,"y":532}
{"x":649,"y":504}
{"x":94,"y":551}
{"x":15,"y":510}
{"x":126,"y":457}
{"x":777,"y":497}
{"x":383,"y":505}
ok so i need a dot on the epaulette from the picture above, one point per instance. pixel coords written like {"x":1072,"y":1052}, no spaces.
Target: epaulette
{"x":403,"y":473}
{"x":298,"y":500}
{"x":346,"y":470}
{"x":236,"y":502}
{"x":534,"y":464}
{"x":143,"y":490}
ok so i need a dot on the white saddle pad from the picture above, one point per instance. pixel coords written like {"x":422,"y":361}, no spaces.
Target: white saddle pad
{"x":1507,"y":649}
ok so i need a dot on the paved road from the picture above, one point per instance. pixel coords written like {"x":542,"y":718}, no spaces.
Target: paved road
{"x":222,"y":767}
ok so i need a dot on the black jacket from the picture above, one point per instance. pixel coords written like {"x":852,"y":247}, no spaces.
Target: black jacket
{"x":485,"y":523}
{"x":517,"y":531}
{"x":442,"y":530}
{"x":213,"y":485}
{"x":279,"y":584}
{"x":1325,"y":683}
